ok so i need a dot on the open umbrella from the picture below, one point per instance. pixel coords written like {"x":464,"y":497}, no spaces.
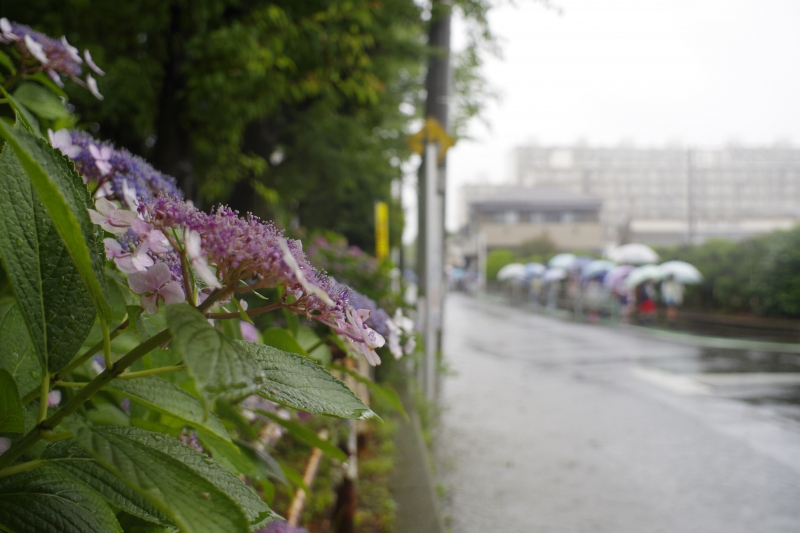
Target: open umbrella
{"x":642,"y":274}
{"x":535,"y":269}
{"x":615,"y":279}
{"x":633,"y":254}
{"x":597,"y":268}
{"x":581,"y":261}
{"x":561,"y":261}
{"x":681,"y":271}
{"x":512,"y":271}
{"x":554,"y":274}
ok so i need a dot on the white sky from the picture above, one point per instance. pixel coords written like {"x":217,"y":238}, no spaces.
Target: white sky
{"x":702,"y":72}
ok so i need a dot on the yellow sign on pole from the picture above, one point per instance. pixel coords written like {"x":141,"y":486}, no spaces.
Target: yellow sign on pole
{"x":381,"y":230}
{"x":431,"y":132}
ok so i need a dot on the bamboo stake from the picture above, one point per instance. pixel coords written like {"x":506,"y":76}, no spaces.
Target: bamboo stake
{"x":310,"y":472}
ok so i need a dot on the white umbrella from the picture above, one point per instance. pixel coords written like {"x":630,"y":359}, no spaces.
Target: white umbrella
{"x":535,"y":269}
{"x":595,"y":268}
{"x":561,"y":261}
{"x":633,"y":254}
{"x":642,"y":274}
{"x":681,"y":271}
{"x":512,"y":271}
{"x":554,"y":274}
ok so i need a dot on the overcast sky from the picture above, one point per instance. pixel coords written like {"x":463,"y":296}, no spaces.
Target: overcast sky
{"x":702,"y":72}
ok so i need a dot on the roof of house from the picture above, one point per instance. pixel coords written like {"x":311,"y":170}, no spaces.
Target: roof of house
{"x":539,"y":198}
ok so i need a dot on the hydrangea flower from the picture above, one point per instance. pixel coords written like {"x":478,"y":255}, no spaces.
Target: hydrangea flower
{"x":280,"y":526}
{"x":245,"y":249}
{"x":156,"y":284}
{"x":119,"y":174}
{"x":55,"y":57}
{"x":189,"y":438}
{"x":111,"y":218}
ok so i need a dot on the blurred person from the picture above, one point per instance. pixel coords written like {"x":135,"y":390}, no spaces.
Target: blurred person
{"x":536,"y":288}
{"x":646,"y":299}
{"x":594,"y":296}
{"x":672,"y":292}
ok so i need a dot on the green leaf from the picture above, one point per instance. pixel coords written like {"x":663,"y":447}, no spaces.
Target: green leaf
{"x":300,"y":383}
{"x":43,"y":103}
{"x":49,"y":500}
{"x":66,"y":199}
{"x":23,"y":115}
{"x":306,"y":435}
{"x":47,"y":82}
{"x":283,"y":340}
{"x":165,"y":397}
{"x":69,"y":457}
{"x":389,"y":395}
{"x":241,"y":458}
{"x":185,"y":484}
{"x":12,"y":418}
{"x":6,"y":62}
{"x":218,"y":367}
{"x":53,"y":300}
{"x":17,"y":355}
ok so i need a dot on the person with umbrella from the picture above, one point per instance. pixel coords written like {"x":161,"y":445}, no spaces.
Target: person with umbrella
{"x":672,"y":292}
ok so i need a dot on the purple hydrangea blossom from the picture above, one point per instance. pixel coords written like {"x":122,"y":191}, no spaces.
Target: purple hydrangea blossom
{"x":280,"y":526}
{"x":119,"y":174}
{"x":55,"y":57}
{"x":189,"y":438}
{"x":256,"y":252}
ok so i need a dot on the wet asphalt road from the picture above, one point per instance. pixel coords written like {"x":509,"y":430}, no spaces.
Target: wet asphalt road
{"x":554,"y":426}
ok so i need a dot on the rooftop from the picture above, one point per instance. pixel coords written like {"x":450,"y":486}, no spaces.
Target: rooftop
{"x":539,"y":198}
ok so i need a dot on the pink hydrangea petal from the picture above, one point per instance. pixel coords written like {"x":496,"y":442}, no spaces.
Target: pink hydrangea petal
{"x":140,"y":283}
{"x":140,"y":227}
{"x":158,"y":275}
{"x":113,"y":248}
{"x":150,"y":304}
{"x":158,"y":242}
{"x":125,"y":264}
{"x":249,"y":331}
{"x":103,"y":205}
{"x":97,"y":218}
{"x":172,"y":293}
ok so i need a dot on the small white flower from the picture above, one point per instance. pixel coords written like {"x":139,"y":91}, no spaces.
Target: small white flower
{"x":55,"y":77}
{"x":101,"y":156}
{"x":5,"y":442}
{"x":7,"y":31}
{"x":291,"y":262}
{"x":36,"y":50}
{"x":53,"y":398}
{"x":198,"y":260}
{"x":71,"y":50}
{"x":111,"y":218}
{"x":138,"y":261}
{"x":130,"y":195}
{"x":62,"y":140}
{"x":91,"y":64}
{"x":91,"y":84}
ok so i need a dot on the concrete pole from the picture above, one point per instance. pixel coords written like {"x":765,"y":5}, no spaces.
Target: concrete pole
{"x":433,"y":271}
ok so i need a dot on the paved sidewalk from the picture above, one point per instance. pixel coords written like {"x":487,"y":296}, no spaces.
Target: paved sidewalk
{"x":548,"y":427}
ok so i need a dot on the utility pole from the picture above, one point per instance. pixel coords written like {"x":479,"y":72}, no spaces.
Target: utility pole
{"x":432,"y":182}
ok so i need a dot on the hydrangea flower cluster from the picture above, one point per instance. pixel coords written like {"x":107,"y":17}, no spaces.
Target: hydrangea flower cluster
{"x":39,"y":52}
{"x":116,"y":173}
{"x":392,"y":328}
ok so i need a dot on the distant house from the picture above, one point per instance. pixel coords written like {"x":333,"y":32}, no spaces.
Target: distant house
{"x":506,"y":217}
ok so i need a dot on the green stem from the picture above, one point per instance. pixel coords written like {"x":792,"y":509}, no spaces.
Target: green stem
{"x":77,"y":384}
{"x":43,"y":393}
{"x":106,"y":344}
{"x":152,"y":372}
{"x":23,"y":467}
{"x":315,"y":345}
{"x":78,"y":361}
{"x":72,"y":405}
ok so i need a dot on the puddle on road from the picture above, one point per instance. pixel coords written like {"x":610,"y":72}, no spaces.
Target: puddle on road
{"x":784,"y":399}
{"x":722,"y":360}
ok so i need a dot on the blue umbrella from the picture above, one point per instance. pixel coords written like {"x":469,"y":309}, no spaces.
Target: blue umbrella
{"x":597,"y":268}
{"x":535,"y":269}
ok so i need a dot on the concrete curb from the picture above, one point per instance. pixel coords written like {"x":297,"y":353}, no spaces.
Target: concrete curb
{"x":412,"y":480}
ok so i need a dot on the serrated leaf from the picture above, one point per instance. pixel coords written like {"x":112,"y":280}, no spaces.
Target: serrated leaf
{"x":17,"y":355}
{"x":283,"y":340}
{"x":241,"y":458}
{"x":12,"y":417}
{"x":54,"y":302}
{"x":40,"y":101}
{"x":48,"y":500}
{"x":23,"y":115}
{"x":300,"y":383}
{"x":69,"y":457}
{"x":389,"y":395}
{"x":219,"y":369}
{"x":66,"y":200}
{"x":173,"y":477}
{"x":165,"y":397}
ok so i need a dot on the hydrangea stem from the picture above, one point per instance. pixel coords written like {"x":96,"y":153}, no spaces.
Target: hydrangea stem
{"x":106,"y":344}
{"x":72,"y":405}
{"x":43,"y":393}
